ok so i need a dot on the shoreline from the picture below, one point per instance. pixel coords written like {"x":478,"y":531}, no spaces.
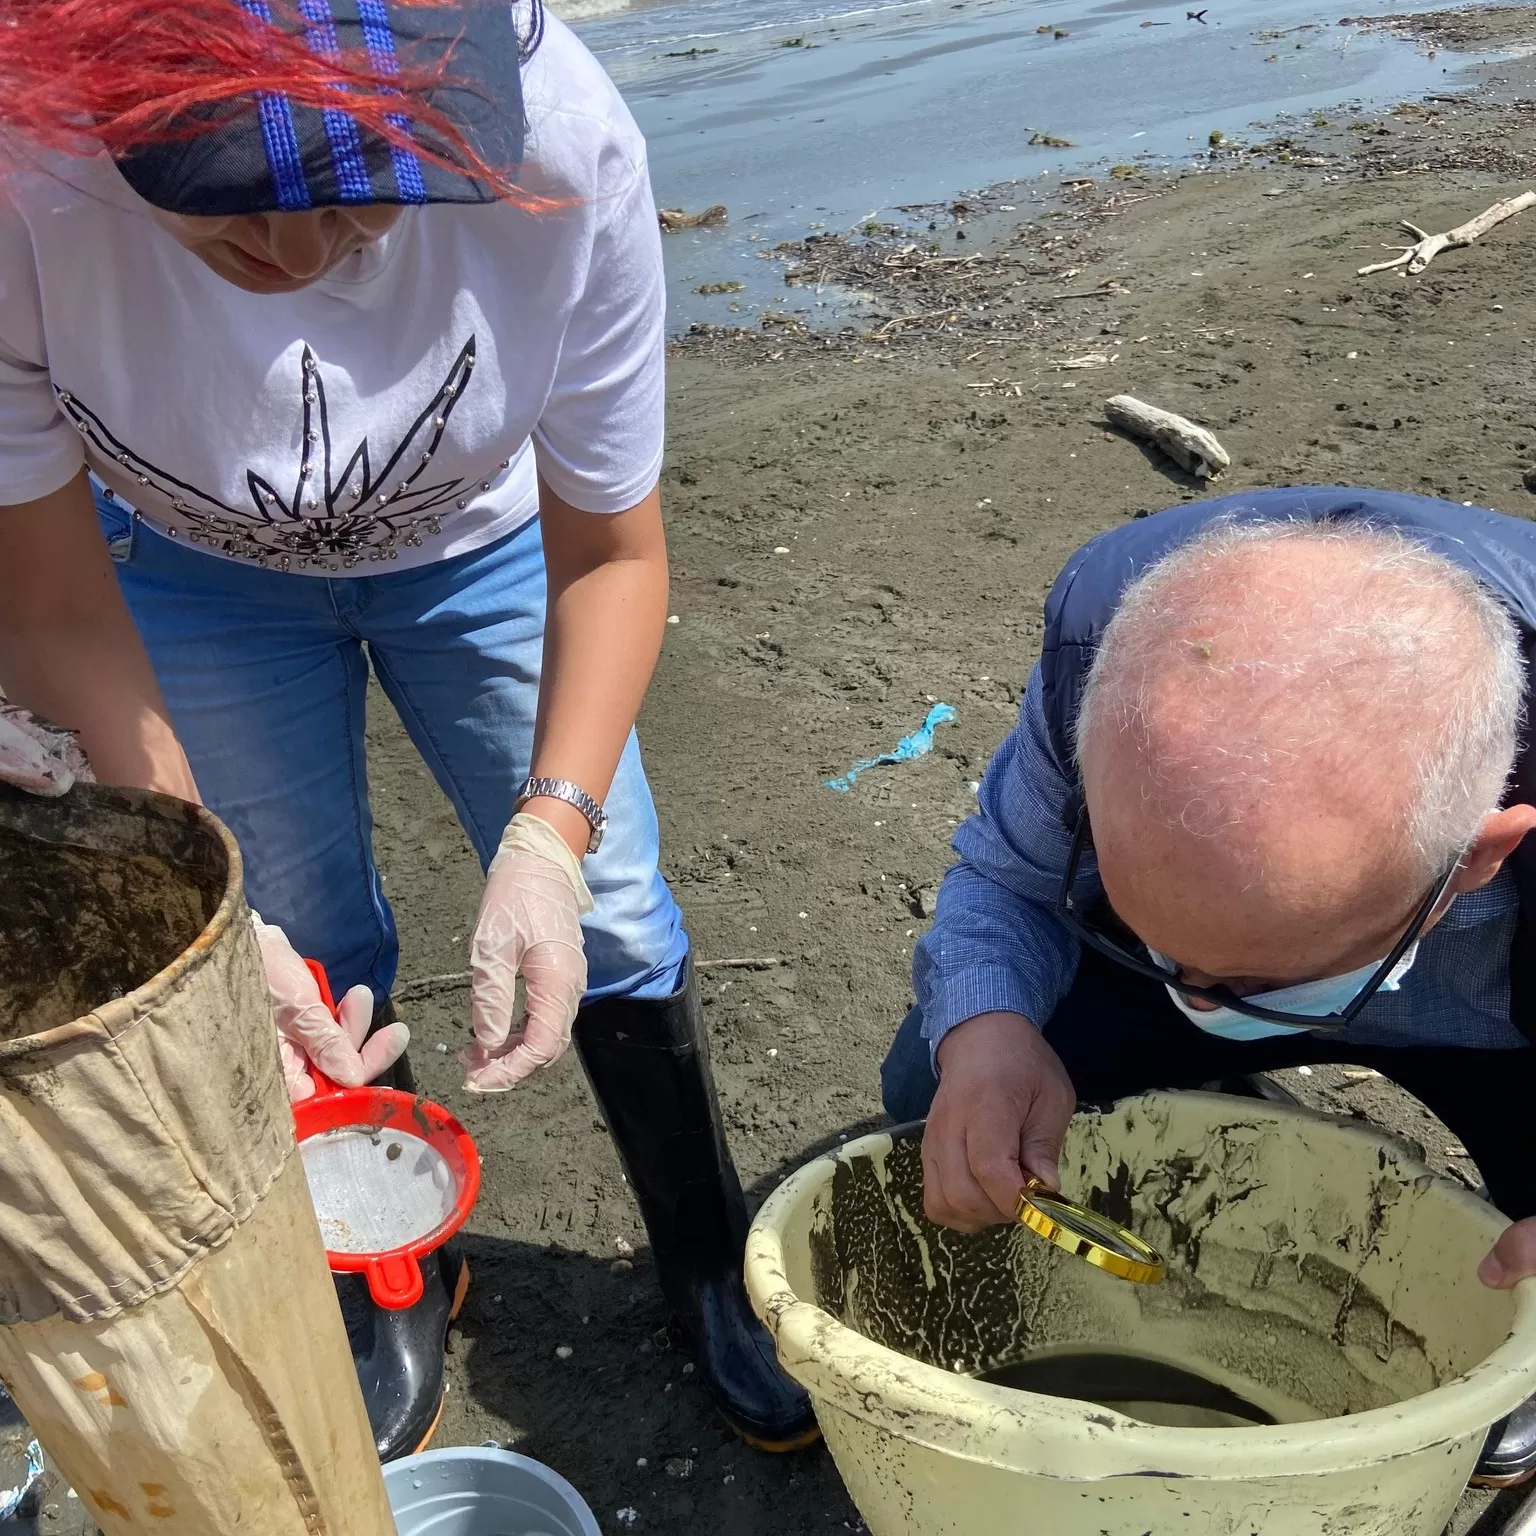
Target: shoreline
{"x":864,"y":272}
{"x":922,"y":105}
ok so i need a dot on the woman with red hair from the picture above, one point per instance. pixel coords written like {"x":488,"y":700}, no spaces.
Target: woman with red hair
{"x":334,"y":336}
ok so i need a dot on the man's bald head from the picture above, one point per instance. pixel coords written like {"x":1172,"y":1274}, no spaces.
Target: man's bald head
{"x":1294,"y":723}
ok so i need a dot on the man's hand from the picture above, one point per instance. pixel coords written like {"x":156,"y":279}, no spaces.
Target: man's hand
{"x":999,"y":1117}
{"x":1513,"y":1257}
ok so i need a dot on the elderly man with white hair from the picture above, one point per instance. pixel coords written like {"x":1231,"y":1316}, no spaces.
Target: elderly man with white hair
{"x":1265,"y":805}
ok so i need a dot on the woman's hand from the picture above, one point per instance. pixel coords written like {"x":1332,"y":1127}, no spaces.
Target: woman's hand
{"x":529,"y":926}
{"x":308,"y":1032}
{"x":607,"y":584}
{"x":40,"y":758}
{"x":1513,"y":1257}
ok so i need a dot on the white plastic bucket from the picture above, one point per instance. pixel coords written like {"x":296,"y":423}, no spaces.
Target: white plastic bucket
{"x":468,"y":1490}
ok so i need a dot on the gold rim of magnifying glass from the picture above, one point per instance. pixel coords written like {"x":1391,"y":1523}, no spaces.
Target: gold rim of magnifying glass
{"x":1148,"y":1268}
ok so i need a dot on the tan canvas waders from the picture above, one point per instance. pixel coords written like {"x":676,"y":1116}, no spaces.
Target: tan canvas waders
{"x":167,"y":1321}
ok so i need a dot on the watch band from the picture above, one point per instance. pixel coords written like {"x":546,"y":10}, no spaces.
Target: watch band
{"x":572,"y":794}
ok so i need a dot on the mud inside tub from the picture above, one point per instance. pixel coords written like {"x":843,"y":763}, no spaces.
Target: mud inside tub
{"x":1290,"y":1293}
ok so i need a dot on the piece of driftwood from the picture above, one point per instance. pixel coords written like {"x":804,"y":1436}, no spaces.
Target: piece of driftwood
{"x":1426,"y":247}
{"x":1191,"y":447}
{"x":674,"y":219}
{"x":1087,"y":360}
{"x":428,"y":986}
{"x":1110,"y":288}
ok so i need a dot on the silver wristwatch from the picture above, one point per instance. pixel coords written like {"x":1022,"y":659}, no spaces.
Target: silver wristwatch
{"x":572,"y":794}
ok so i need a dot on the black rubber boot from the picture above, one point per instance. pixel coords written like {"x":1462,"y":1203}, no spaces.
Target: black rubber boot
{"x":399,"y":1355}
{"x":648,"y":1062}
{"x":400,"y":1075}
{"x":1509,"y":1453}
{"x":1257,"y":1085}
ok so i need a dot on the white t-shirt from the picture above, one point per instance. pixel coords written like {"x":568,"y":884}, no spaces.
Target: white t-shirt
{"x":395,"y":411}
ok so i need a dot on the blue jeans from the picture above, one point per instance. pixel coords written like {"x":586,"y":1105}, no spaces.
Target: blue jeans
{"x":907,"y":1081}
{"x":265,"y":676}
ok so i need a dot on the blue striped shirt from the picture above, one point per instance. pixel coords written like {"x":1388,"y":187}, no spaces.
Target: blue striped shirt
{"x":997,"y":945}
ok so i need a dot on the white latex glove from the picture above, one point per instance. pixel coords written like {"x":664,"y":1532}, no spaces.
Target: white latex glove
{"x":40,"y":758}
{"x":306,"y":1031}
{"x":529,"y":926}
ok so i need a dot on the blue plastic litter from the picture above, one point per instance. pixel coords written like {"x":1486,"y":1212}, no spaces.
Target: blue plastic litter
{"x":12,"y":1499}
{"x":918,"y":744}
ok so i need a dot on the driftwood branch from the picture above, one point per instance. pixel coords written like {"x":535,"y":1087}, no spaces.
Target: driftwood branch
{"x":674,"y":219}
{"x":1108,"y":289}
{"x":1191,"y":447}
{"x":429,"y":986}
{"x":1426,"y":246}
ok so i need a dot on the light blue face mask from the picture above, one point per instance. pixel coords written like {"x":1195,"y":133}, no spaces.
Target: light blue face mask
{"x":1328,"y":994}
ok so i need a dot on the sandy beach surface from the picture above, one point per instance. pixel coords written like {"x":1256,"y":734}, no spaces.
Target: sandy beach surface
{"x":887,"y":434}
{"x":864,"y":520}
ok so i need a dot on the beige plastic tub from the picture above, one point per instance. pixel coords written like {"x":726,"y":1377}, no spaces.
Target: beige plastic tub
{"x":1314,"y":1265}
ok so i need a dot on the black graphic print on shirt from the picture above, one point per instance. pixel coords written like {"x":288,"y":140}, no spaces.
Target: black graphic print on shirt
{"x":336,"y":511}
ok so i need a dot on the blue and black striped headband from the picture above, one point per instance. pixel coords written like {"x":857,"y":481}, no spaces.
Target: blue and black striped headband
{"x":281,"y":157}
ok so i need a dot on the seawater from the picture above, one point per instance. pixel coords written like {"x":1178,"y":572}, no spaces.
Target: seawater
{"x":822,"y":114}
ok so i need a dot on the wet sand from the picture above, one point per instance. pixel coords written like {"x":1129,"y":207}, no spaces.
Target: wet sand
{"x":860,"y":530}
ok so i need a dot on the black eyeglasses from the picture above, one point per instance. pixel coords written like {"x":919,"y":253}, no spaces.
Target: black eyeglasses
{"x":1082,"y":923}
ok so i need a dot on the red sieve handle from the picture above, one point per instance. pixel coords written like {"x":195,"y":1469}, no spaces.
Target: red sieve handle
{"x":394,"y":1281}
{"x":323,"y":1084}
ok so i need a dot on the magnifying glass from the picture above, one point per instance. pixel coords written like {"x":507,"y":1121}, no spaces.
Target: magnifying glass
{"x":1088,"y":1235}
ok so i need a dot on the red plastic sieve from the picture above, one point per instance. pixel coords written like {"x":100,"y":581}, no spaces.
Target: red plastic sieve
{"x":392,"y":1177}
